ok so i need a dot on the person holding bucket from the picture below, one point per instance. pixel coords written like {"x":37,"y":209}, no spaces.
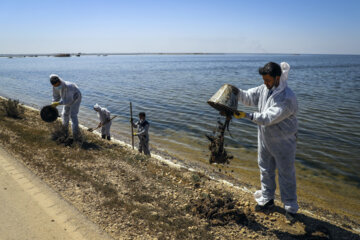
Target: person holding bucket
{"x":69,"y":95}
{"x":277,"y":133}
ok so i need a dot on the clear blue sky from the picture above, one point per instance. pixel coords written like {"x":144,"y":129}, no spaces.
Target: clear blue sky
{"x":252,"y":26}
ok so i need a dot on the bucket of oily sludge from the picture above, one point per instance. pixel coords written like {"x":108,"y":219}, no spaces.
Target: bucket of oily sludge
{"x":225,"y":100}
{"x":49,"y":113}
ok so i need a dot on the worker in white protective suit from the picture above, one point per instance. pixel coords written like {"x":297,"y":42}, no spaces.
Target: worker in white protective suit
{"x":69,"y":95}
{"x":277,"y":133}
{"x":105,"y":121}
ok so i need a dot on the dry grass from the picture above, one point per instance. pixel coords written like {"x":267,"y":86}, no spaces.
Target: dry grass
{"x":59,"y":133}
{"x":44,"y":148}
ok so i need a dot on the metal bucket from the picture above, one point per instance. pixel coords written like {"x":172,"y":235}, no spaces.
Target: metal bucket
{"x":225,"y":99}
{"x":49,"y":113}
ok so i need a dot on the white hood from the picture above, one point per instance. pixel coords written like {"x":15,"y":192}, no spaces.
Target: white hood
{"x":285,"y":68}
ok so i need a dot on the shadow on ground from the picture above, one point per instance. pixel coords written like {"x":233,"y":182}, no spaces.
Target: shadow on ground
{"x":222,"y":210}
{"x":90,"y":146}
{"x":315,"y":229}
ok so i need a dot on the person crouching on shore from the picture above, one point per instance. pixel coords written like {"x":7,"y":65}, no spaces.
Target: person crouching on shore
{"x":105,"y":121}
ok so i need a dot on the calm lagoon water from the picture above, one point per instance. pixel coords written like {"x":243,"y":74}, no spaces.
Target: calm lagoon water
{"x":173,"y":90}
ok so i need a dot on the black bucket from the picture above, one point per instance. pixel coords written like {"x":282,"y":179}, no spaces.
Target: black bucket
{"x":49,"y":113}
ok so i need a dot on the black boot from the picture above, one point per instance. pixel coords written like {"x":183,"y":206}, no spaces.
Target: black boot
{"x":268,"y":206}
{"x":108,"y":138}
{"x":290,"y":217}
{"x":103,"y":136}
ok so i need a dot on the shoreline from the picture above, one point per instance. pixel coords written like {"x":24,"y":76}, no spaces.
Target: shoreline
{"x":100,"y":54}
{"x":313,"y":194}
{"x":159,"y":157}
{"x":182,"y":173}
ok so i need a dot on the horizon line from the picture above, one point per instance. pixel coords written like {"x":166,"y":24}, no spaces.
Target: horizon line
{"x":69,"y":54}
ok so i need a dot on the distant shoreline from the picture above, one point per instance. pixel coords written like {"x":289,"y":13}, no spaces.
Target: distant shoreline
{"x":97,"y":54}
{"x":18,"y":55}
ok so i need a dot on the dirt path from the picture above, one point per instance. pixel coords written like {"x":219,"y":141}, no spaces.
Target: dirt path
{"x":30,"y":210}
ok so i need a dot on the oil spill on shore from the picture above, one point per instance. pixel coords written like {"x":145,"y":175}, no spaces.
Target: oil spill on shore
{"x":216,"y":146}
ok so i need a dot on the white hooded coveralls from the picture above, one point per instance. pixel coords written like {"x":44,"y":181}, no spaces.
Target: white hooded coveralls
{"x":70,"y":97}
{"x":104,"y":116}
{"x":277,"y":131}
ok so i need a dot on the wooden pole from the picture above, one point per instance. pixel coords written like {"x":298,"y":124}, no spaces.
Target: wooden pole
{"x":132,"y":128}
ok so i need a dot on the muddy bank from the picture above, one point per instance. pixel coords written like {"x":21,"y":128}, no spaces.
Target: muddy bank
{"x":134,"y":197}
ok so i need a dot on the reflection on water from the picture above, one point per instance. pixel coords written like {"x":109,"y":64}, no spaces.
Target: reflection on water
{"x":173,"y":91}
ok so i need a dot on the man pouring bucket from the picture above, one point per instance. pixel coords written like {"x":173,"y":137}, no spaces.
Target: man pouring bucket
{"x":69,"y":95}
{"x":277,"y":133}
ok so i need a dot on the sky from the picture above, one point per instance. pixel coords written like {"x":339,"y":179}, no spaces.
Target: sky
{"x":181,"y":26}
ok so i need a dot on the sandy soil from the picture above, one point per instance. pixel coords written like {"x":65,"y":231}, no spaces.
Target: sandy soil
{"x":134,"y":197}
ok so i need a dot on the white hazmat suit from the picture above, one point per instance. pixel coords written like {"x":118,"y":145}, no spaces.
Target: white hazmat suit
{"x":68,"y":95}
{"x":277,"y":131}
{"x":104,"y":116}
